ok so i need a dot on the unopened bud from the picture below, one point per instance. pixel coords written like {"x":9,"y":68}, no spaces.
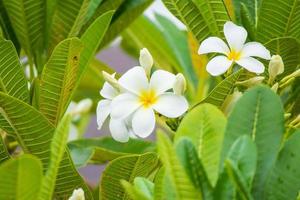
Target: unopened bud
{"x":83,"y":106}
{"x":276,"y":67}
{"x":275,"y":87}
{"x":251,"y":82}
{"x":179,"y":86}
{"x":110,"y":78}
{"x":146,"y":60}
{"x":294,"y":75}
{"x":78,"y":194}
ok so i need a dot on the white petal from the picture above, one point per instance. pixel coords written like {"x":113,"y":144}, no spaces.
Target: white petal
{"x":171,"y":105}
{"x":252,"y":65}
{"x":218,"y":65}
{"x":108,"y":91}
{"x":134,"y":80}
{"x":255,"y":49}
{"x":118,"y":130}
{"x":162,"y":81}
{"x":235,"y":35}
{"x":143,"y":122}
{"x":213,"y":45}
{"x":123,"y":105}
{"x":103,"y":110}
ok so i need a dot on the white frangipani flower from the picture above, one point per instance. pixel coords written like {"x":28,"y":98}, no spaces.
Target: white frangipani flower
{"x":142,"y":97}
{"x":78,"y":194}
{"x":237,"y":52}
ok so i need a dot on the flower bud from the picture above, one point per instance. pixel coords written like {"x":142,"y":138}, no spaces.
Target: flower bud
{"x":179,"y":86}
{"x":146,"y":60}
{"x":78,"y":194}
{"x":275,"y":87}
{"x":276,"y":67}
{"x":110,"y":78}
{"x":251,"y":82}
{"x":294,"y":75}
{"x":83,"y":106}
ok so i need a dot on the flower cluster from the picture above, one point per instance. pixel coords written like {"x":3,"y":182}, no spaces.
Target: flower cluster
{"x":132,"y":100}
{"x":237,"y":52}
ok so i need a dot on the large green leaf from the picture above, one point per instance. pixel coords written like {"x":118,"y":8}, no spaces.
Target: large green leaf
{"x":289,"y":49}
{"x":67,"y":20}
{"x":124,"y":16}
{"x":21,"y":178}
{"x":105,"y":6}
{"x":4,"y":155}
{"x":184,"y":188}
{"x":27,"y":19}
{"x":283,"y":181}
{"x":205,"y":126}
{"x":141,"y":189}
{"x":218,"y":95}
{"x":101,"y":150}
{"x":262,"y":119}
{"x":278,"y":19}
{"x":251,"y":5}
{"x":12,"y":79}
{"x":92,"y":38}
{"x":125,"y":168}
{"x":34,"y":134}
{"x":188,"y":157}
{"x":202,"y":17}
{"x":58,"y":146}
{"x":59,"y":78}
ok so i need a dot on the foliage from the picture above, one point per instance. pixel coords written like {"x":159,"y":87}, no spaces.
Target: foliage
{"x":237,"y":141}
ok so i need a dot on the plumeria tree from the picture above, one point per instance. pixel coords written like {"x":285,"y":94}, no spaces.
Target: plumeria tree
{"x":212,"y":111}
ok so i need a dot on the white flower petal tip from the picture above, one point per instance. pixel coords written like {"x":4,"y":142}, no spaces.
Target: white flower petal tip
{"x":218,"y":65}
{"x":119,"y":130}
{"x":143,"y":122}
{"x":146,"y":60}
{"x":213,"y":45}
{"x":103,"y":111}
{"x":161,"y":81}
{"x":252,"y":65}
{"x":255,"y":49}
{"x":83,"y":106}
{"x":235,"y":35}
{"x":78,"y":194}
{"x":134,"y":80}
{"x":179,"y":86}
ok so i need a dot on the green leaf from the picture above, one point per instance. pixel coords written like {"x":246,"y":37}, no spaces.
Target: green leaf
{"x":4,"y":155}
{"x":205,"y":126}
{"x":289,"y":49}
{"x":34,"y":134}
{"x":238,"y":180}
{"x":243,"y":155}
{"x":67,"y":20}
{"x":247,"y":21}
{"x":163,"y":189}
{"x":283,"y":181}
{"x":124,"y":16}
{"x":125,"y":168}
{"x":180,"y":181}
{"x":27,"y":19}
{"x":12,"y":79}
{"x":278,"y":19}
{"x":188,"y":156}
{"x":262,"y":119}
{"x":59,"y":78}
{"x":105,"y":6}
{"x":218,"y":95}
{"x":92,"y":8}
{"x":92,"y":38}
{"x":252,"y":6}
{"x":142,"y":189}
{"x":202,"y":17}
{"x":21,"y":178}
{"x":58,"y":146}
{"x":101,"y":150}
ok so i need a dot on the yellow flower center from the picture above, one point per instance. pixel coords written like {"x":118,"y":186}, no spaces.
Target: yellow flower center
{"x":147,"y":98}
{"x":234,"y":55}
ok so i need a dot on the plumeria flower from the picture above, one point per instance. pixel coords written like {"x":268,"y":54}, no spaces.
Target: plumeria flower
{"x":78,"y":194}
{"x":142,"y":97}
{"x":237,"y":52}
